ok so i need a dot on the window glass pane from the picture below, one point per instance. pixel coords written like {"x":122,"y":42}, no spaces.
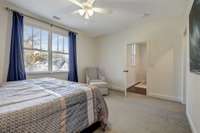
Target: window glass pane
{"x":36,"y":38}
{"x":27,"y":37}
{"x":61,"y":41}
{"x":60,"y":62}
{"x":54,"y":42}
{"x":66,"y":44}
{"x":36,"y":61}
{"x":44,"y":40}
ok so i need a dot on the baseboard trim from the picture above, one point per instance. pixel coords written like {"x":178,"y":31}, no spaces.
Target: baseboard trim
{"x":115,"y":87}
{"x":116,"y":90}
{"x":165,"y":97}
{"x":192,"y":126}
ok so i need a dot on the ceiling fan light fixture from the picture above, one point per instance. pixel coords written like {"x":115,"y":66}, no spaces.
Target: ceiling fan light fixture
{"x":81,"y":12}
{"x":90,"y":12}
{"x":87,"y":9}
{"x":86,"y":16}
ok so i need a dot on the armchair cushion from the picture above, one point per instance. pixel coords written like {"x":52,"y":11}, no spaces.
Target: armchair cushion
{"x":99,"y":83}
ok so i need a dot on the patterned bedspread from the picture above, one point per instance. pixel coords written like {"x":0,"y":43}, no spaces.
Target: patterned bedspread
{"x":49,"y":105}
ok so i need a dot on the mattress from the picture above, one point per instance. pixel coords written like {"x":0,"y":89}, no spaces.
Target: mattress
{"x":49,"y":105}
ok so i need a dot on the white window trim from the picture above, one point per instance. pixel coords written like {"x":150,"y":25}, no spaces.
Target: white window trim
{"x":40,"y":73}
{"x":50,"y":52}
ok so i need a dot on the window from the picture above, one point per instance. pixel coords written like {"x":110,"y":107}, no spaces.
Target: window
{"x":35,"y":49}
{"x":44,"y":51}
{"x":59,"y":53}
{"x":133,"y":54}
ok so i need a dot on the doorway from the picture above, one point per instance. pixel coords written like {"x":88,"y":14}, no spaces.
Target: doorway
{"x":136,"y":73}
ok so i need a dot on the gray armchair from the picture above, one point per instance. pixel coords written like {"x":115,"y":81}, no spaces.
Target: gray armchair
{"x":95,"y":77}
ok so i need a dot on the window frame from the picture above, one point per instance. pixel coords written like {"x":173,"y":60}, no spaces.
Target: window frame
{"x":49,"y":49}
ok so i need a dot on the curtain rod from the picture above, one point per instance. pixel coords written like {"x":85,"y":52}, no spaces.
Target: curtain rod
{"x":43,"y":21}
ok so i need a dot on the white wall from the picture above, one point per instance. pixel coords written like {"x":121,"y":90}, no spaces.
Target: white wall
{"x":86,"y":54}
{"x":192,"y":91}
{"x":163,"y":37}
{"x":86,"y":48}
{"x":192,"y":96}
{"x":4,"y":42}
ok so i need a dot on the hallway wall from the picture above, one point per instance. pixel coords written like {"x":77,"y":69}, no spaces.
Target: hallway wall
{"x":142,"y":63}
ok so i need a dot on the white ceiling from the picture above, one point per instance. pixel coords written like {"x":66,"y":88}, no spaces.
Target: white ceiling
{"x":124,"y":13}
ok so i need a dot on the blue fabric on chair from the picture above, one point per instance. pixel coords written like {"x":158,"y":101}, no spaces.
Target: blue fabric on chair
{"x":72,"y":75}
{"x":16,"y":69}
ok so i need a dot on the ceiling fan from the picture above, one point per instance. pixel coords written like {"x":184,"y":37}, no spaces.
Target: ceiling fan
{"x":87,"y":8}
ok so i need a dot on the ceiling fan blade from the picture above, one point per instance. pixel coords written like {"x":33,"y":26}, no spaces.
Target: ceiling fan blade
{"x":91,"y":2}
{"x":80,"y":11}
{"x":76,"y":3}
{"x":101,"y":10}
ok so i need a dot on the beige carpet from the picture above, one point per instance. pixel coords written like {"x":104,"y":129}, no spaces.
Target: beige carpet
{"x":140,"y":114}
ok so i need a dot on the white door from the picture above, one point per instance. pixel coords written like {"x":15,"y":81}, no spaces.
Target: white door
{"x":131,"y":65}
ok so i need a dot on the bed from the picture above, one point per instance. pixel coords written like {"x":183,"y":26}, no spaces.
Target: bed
{"x":49,"y":105}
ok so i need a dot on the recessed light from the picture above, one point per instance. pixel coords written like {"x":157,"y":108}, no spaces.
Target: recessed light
{"x":56,"y":17}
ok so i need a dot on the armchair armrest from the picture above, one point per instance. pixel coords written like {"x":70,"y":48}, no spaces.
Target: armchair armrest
{"x":87,"y":79}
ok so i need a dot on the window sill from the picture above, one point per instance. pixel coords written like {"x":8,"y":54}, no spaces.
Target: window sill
{"x":47,"y":73}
